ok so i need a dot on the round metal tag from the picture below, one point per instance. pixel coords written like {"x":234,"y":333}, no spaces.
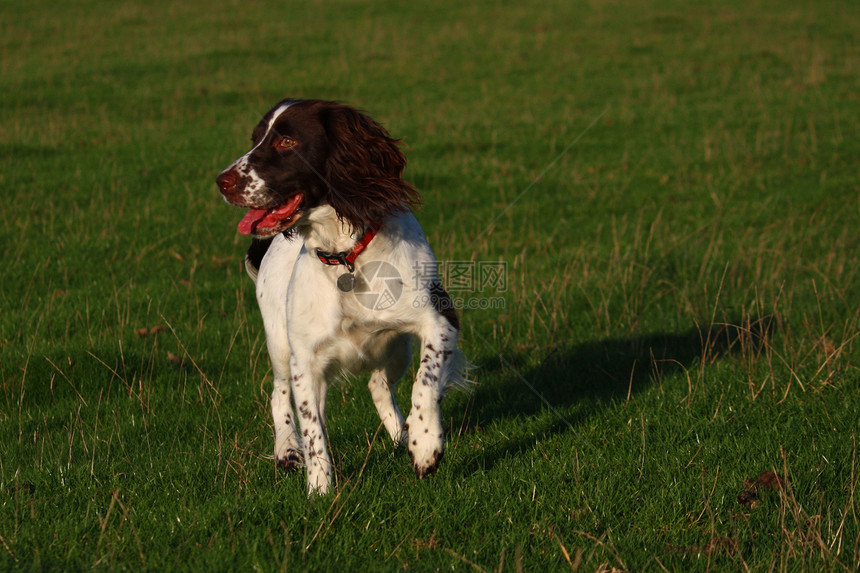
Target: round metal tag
{"x":346,"y":282}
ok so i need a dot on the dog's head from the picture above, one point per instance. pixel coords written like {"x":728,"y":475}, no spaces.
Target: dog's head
{"x":308,"y":153}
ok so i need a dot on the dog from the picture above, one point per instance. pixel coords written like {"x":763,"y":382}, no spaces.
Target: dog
{"x":345,"y":279}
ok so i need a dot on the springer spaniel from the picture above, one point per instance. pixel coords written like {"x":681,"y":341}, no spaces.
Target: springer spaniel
{"x":344,"y":278}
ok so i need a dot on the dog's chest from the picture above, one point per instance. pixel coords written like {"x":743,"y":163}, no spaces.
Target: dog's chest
{"x":358,"y":346}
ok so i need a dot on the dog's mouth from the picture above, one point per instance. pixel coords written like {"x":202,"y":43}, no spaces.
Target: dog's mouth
{"x":264,"y":223}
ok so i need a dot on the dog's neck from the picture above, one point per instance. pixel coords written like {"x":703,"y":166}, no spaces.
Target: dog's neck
{"x":324,"y":231}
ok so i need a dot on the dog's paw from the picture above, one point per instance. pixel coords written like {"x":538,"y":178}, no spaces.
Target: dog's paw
{"x":427,"y":467}
{"x":291,"y":461}
{"x":426,"y":443}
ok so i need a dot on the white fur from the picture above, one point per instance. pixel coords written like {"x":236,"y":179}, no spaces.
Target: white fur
{"x":314,"y":330}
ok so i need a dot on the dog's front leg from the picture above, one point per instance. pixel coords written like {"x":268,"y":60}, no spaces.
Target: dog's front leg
{"x":287,"y":449}
{"x":272,"y":290}
{"x":309,"y":389}
{"x":382,"y":382}
{"x":288,"y":455}
{"x":424,"y":425}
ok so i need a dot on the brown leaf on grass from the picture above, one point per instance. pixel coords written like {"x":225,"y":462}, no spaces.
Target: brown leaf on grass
{"x":178,"y":360}
{"x":766,"y":481}
{"x":769,"y":480}
{"x":827,"y":347}
{"x":749,"y":499}
{"x":141,"y":332}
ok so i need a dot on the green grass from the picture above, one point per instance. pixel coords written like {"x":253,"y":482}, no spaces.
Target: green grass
{"x":673,"y":187}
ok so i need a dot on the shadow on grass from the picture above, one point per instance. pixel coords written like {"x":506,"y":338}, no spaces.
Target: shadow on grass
{"x":575,"y":381}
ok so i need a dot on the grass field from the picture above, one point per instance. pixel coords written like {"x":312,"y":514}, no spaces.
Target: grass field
{"x":672,"y":188}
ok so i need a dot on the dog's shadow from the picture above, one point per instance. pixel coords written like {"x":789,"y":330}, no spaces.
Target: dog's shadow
{"x":573,"y":382}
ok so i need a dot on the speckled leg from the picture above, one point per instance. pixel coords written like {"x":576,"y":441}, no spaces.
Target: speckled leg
{"x":272,"y":299}
{"x":426,"y":438}
{"x":288,"y":454}
{"x":309,"y":395}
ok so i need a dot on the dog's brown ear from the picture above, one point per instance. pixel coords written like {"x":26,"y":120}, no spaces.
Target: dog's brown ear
{"x":364,"y":168}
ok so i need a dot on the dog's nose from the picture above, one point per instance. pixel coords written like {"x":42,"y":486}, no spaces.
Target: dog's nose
{"x":228,"y":182}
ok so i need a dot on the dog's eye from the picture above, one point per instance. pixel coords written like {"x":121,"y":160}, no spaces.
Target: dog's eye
{"x":284,"y":143}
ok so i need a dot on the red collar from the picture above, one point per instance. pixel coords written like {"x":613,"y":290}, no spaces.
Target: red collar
{"x":347,"y":258}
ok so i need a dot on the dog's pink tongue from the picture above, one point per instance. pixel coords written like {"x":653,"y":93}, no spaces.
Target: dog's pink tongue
{"x":250,"y":220}
{"x":268,"y":219}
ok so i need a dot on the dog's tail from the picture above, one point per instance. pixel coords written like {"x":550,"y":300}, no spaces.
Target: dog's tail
{"x":456,"y":372}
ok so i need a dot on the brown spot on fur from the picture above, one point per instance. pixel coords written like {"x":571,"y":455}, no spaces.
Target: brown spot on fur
{"x":443,"y":305}
{"x":291,"y":461}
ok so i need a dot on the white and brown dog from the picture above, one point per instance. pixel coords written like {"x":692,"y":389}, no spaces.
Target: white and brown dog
{"x":345,"y":278}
